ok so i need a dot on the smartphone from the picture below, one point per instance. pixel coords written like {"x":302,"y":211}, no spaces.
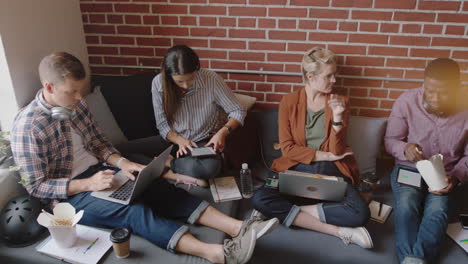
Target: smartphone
{"x":464,"y":220}
{"x":203,"y":151}
{"x":272,"y":182}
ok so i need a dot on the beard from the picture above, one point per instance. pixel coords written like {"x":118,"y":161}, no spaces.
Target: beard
{"x":431,"y":110}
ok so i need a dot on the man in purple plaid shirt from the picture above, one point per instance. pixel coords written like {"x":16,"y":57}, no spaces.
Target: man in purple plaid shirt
{"x":57,"y":144}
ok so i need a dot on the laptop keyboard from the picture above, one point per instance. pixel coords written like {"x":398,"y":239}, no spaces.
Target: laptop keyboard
{"x":124,"y":192}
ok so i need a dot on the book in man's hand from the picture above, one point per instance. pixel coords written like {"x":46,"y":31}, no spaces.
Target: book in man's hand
{"x":224,"y":189}
{"x":379,"y":211}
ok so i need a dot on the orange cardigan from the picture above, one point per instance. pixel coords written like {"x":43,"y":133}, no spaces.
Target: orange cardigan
{"x":291,"y":122}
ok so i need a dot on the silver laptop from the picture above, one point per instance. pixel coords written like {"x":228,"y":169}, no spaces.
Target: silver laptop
{"x":124,"y":191}
{"x":312,"y":185}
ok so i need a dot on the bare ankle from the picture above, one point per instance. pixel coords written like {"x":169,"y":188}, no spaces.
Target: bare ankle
{"x":217,"y":255}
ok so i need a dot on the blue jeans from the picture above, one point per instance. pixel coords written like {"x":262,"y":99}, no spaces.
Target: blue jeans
{"x":351,"y":211}
{"x":421,"y":219}
{"x":150,"y":216}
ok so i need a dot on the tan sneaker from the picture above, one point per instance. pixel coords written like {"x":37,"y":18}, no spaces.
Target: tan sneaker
{"x":239,"y":250}
{"x":357,"y":235}
{"x":260,"y":227}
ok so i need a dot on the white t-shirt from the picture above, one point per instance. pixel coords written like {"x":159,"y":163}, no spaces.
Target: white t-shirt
{"x":82,"y":159}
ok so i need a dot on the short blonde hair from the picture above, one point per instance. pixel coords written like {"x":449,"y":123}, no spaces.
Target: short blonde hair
{"x":54,"y":68}
{"x":314,"y":59}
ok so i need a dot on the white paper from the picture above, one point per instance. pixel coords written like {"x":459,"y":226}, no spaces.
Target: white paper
{"x":433,"y":172}
{"x":458,"y":234}
{"x":224,"y":189}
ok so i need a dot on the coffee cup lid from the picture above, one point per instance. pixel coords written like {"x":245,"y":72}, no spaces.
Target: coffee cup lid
{"x":119,"y":235}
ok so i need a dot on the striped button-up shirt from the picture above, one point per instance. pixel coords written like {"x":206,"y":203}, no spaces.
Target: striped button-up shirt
{"x":196,"y":118}
{"x":42,"y":146}
{"x":409,"y":122}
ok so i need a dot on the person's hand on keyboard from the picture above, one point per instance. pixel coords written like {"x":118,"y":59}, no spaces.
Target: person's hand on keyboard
{"x":129,"y":168}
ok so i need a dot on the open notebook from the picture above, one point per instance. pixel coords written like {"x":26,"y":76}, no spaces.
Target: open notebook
{"x":379,"y":211}
{"x":224,"y":189}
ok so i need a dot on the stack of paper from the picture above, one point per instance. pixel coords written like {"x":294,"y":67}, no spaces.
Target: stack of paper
{"x":224,"y":189}
{"x":379,"y":211}
{"x":459,"y":235}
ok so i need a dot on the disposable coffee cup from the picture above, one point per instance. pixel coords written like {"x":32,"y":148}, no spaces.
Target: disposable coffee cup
{"x":120,"y":238}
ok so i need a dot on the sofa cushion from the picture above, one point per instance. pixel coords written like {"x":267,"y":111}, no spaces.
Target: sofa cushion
{"x":129,"y":99}
{"x":268,"y":133}
{"x":103,"y":116}
{"x":365,"y":137}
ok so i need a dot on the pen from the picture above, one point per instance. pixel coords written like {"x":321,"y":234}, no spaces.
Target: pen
{"x":380,"y":208}
{"x":91,"y":245}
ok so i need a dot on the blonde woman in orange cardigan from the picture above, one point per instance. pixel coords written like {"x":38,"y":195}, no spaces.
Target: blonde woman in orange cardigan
{"x":312,"y":132}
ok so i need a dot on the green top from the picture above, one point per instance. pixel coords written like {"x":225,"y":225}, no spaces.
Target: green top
{"x":315,"y":128}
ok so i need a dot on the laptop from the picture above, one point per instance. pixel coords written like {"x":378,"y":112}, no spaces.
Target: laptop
{"x":125,"y":190}
{"x":313,"y":186}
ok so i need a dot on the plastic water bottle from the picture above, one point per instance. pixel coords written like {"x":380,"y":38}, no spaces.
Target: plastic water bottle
{"x":246,"y":181}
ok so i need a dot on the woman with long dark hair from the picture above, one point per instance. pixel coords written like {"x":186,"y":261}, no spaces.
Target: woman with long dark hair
{"x":187,"y":100}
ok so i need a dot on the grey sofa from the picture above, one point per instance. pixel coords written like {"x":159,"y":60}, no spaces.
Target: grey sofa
{"x":123,"y":109}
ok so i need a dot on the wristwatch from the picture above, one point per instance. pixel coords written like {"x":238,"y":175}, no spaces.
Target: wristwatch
{"x":340,"y":123}
{"x":228,"y":128}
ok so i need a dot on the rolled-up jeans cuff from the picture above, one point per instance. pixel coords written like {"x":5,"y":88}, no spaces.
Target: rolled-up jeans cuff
{"x":321,"y":213}
{"x":171,"y":246}
{"x":291,"y":215}
{"x":196,"y":214}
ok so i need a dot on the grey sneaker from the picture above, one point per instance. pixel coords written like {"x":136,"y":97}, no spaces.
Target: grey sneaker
{"x":239,"y":250}
{"x":260,"y":227}
{"x":257,"y":215}
{"x":357,"y":235}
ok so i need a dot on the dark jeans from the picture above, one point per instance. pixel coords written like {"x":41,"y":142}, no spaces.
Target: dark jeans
{"x":351,"y":212}
{"x":198,"y":167}
{"x":150,"y":216}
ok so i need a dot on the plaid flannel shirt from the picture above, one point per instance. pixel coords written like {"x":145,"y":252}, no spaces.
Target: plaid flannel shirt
{"x":42,"y":147}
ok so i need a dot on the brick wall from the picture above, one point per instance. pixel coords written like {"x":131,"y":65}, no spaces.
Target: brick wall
{"x":373,"y":38}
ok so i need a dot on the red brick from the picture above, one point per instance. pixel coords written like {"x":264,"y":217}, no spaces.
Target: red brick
{"x":460,"y":54}
{"x":92,"y":40}
{"x":268,"y":2}
{"x":246,"y":33}
{"x":406,"y":63}
{"x":292,"y":68}
{"x":227,"y":22}
{"x":328,"y":25}
{"x":227,"y":44}
{"x":284,"y":57}
{"x":310,"y":2}
{"x":115,"y":19}
{"x":372,"y":15}
{"x":137,"y":51}
{"x":170,"y":20}
{"x":160,"y":51}
{"x":246,"y":86}
{"x":207,"y":21}
{"x":397,"y":4}
{"x":255,"y":66}
{"x":154,"y":42}
{"x":287,"y":35}
{"x":432,"y":29}
{"x":84,"y":18}
{"x":151,"y":20}
{"x":455,"y":18}
{"x":412,"y":74}
{"x":401,"y":85}
{"x":235,"y":65}
{"x":132,"y":19}
{"x":336,"y":37}
{"x":149,"y":61}
{"x":455,"y":30}
{"x":287,"y":23}
{"x":255,"y":45}
{"x":282,"y":88}
{"x":374,"y":113}
{"x":431,"y":53}
{"x":102,"y":29}
{"x":212,"y":54}
{"x":347,"y":49}
{"x":381,"y":93}
{"x":410,"y":40}
{"x":95,"y":60}
{"x":348,"y":26}
{"x":369,"y":27}
{"x":189,"y":1}
{"x":246,"y":77}
{"x":301,"y":47}
{"x":465,"y":6}
{"x":246,"y":22}
{"x":395,"y":94}
{"x":359,"y":102}
{"x":368,"y":38}
{"x":386,"y":104}
{"x":208,"y":10}
{"x":414,"y":16}
{"x":362,"y":83}
{"x":349,"y":70}
{"x":169,"y":9}
{"x":231,"y":2}
{"x":247,"y":56}
{"x":266,"y":23}
{"x":307,"y":24}
{"x":328,"y":13}
{"x":264,"y":87}
{"x":97,"y":18}
{"x":354,"y":3}
{"x":284,"y":79}
{"x":439,"y":5}
{"x":274,"y":97}
{"x":135,"y":30}
{"x":247,"y":11}
{"x":359,"y":92}
{"x":287,"y":12}
{"x":388,"y":27}
{"x":191,"y":42}
{"x":383,"y":72}
{"x":120,"y":61}
{"x":170,"y":31}
{"x":117,"y":40}
{"x":132,"y":8}
{"x":96,"y":8}
{"x":188,"y":20}
{"x":411,"y":28}
{"x":208,"y":32}
{"x":452,"y":42}
{"x":364,"y":61}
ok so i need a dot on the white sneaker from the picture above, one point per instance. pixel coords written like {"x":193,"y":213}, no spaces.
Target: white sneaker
{"x":257,"y":215}
{"x":357,"y":235}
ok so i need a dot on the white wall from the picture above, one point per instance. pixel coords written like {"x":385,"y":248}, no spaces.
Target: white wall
{"x":29,"y":30}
